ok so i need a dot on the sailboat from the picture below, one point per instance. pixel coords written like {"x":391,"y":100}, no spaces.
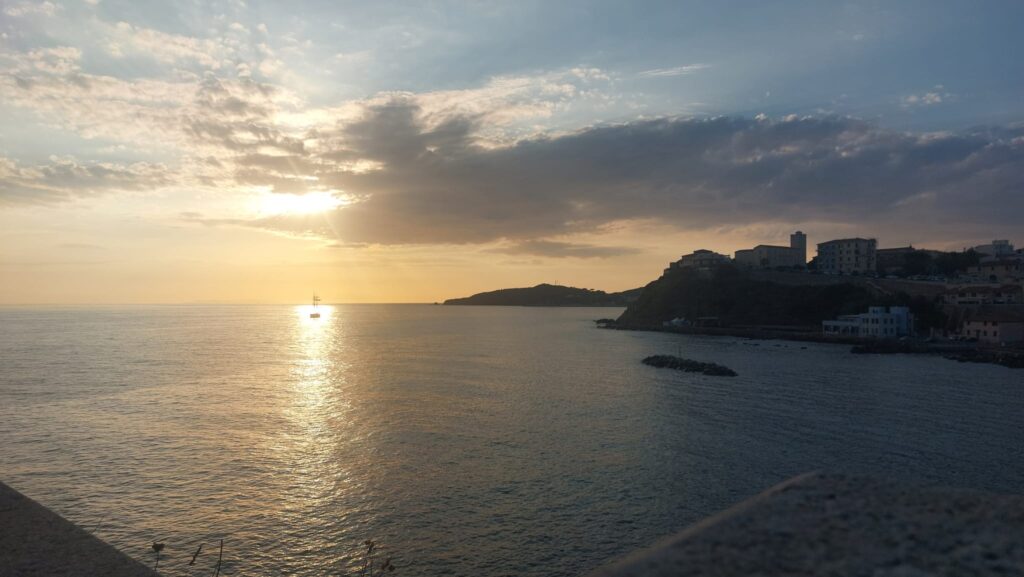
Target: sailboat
{"x":316,"y":310}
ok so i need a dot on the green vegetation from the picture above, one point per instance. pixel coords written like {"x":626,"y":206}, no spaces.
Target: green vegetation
{"x":732,"y":297}
{"x":927,"y":262}
{"x":950,"y":263}
{"x":547,"y":295}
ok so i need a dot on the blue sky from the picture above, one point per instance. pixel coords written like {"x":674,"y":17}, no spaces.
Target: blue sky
{"x":587,"y":135}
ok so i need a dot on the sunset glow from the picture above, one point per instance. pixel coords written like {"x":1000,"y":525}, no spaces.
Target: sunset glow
{"x":598,"y":271}
{"x":400,"y":153}
{"x":309,"y":203}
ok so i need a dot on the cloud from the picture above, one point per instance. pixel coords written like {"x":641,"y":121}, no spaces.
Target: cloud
{"x":30,"y":8}
{"x":555,"y":249}
{"x":436,"y":186}
{"x":202,"y":122}
{"x":472,"y":166}
{"x":168,"y":48}
{"x":432,"y":182}
{"x":290,"y":225}
{"x":67,"y":179}
{"x":677,"y":71}
{"x":241,"y":132}
{"x":937,"y":96}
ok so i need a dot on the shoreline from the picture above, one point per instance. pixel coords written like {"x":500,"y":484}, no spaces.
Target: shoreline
{"x":955,"y":351}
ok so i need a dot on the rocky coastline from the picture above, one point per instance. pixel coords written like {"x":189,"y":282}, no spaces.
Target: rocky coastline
{"x":964,"y":352}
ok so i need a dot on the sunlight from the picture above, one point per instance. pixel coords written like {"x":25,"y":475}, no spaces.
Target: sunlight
{"x":309,"y":436}
{"x":276,"y":203}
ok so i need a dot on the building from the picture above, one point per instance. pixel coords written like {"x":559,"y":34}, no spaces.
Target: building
{"x":1001,"y":270}
{"x":848,"y":256}
{"x":878,"y":322}
{"x":774,"y":256}
{"x":896,"y":260}
{"x":701,"y":259}
{"x":891,"y":260}
{"x":798,"y":243}
{"x":907,"y":260}
{"x":996,"y":249}
{"x":977,"y":295}
{"x":995,"y":325}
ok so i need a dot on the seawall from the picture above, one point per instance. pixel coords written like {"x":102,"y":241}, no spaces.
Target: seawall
{"x":36,"y":542}
{"x":822,"y":524}
{"x":814,"y":524}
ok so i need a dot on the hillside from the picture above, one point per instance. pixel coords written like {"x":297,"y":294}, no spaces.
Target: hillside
{"x":736,"y":297}
{"x":548,"y":295}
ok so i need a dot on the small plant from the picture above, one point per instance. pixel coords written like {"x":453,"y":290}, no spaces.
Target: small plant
{"x":368,"y":569}
{"x":220,"y":557}
{"x":157,"y":548}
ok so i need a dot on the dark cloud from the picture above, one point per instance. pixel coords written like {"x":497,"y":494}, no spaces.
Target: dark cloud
{"x":419,"y":178}
{"x":436,"y":185}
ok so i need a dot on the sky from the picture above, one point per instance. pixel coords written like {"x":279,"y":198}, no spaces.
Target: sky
{"x":255,"y":152}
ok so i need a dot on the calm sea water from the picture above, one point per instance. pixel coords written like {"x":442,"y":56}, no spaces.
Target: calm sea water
{"x":468,"y":441}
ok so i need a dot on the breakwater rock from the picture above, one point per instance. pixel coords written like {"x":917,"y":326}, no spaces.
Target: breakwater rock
{"x":688,"y":365}
{"x":1012,"y":360}
{"x":888,"y":347}
{"x":962,"y":353}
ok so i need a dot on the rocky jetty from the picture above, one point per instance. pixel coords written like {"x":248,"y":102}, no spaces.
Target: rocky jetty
{"x":962,"y":352}
{"x":688,"y":365}
{"x":1008,"y":359}
{"x":888,"y":347}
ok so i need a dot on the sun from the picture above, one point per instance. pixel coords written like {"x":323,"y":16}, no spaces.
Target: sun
{"x":274,"y":203}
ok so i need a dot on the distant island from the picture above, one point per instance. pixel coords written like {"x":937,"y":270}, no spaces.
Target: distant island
{"x":549,"y":295}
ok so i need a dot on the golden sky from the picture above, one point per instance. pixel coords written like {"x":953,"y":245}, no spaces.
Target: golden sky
{"x":244,"y":152}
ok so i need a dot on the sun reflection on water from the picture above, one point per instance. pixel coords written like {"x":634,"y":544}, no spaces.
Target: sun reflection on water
{"x":318,"y":414}
{"x":304,"y":312}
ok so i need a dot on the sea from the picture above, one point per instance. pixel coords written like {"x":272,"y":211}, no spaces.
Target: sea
{"x":484,"y":441}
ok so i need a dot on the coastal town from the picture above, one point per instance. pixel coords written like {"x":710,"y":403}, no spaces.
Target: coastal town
{"x":979,"y":290}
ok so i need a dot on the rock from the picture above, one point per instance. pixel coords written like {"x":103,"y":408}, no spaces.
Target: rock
{"x":688,"y":365}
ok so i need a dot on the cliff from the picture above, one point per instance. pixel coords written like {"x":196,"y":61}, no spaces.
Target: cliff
{"x":736,"y":297}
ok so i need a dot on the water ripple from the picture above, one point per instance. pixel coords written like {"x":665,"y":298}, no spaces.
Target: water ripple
{"x":483,"y":441}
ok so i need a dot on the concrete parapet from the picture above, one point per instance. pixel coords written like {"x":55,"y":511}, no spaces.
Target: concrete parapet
{"x":36,"y":542}
{"x":825,"y":524}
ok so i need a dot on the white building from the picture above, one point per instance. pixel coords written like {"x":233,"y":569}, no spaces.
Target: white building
{"x":876,"y":323}
{"x":774,"y":256}
{"x":848,"y":256}
{"x":996,"y":249}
